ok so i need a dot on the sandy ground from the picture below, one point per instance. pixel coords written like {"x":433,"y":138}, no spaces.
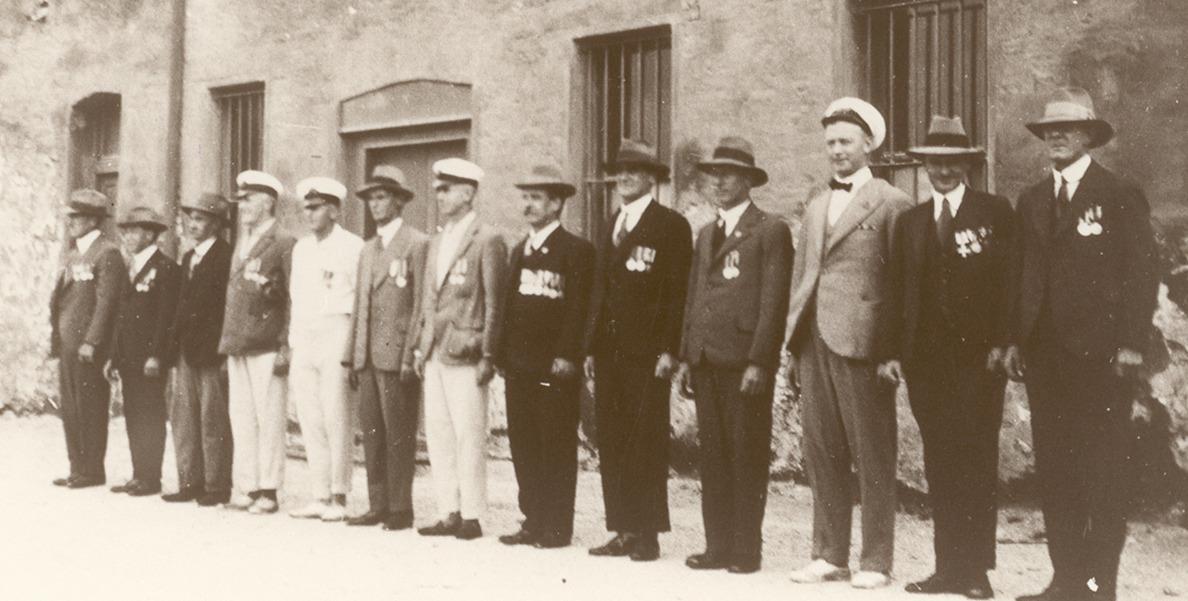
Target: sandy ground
{"x":58,"y":544}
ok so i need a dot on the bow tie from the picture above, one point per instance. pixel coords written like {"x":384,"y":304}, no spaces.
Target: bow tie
{"x":836,"y":185}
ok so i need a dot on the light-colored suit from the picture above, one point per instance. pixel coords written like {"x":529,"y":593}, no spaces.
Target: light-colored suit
{"x":838,"y":323}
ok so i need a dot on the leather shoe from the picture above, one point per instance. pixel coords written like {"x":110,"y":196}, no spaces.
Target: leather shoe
{"x":522,"y":537}
{"x":446,"y":527}
{"x":64,"y":481}
{"x":125,"y":487}
{"x":977,"y":587}
{"x":745,"y":566}
{"x":214,"y":499}
{"x":141,"y":488}
{"x":401,"y":520}
{"x":468,"y":530}
{"x":86,"y":482}
{"x":619,"y":546}
{"x":551,"y":541}
{"x":371,"y":518}
{"x":647,"y":549}
{"x":934,"y":585}
{"x":706,"y":561}
{"x":184,"y":495}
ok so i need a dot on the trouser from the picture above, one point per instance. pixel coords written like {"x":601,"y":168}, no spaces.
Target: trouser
{"x":317,"y":383}
{"x":957,"y":403}
{"x":388,"y":411}
{"x":849,"y":421}
{"x":542,"y":421}
{"x":631,"y":413}
{"x":201,"y":428}
{"x":1080,"y":421}
{"x":257,"y":408}
{"x":734,"y":432}
{"x":456,"y":433}
{"x":85,"y":399}
{"x":144,"y":418}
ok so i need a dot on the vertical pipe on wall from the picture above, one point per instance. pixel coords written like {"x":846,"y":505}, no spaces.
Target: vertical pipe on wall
{"x":173,"y":128}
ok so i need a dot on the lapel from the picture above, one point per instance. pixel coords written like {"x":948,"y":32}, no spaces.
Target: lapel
{"x":925,"y":225}
{"x":380,"y":258}
{"x":863,"y":204}
{"x":148,"y":265}
{"x":463,"y":245}
{"x":1080,"y":202}
{"x":814,"y":228}
{"x":646,"y":221}
{"x":258,"y":249}
{"x":1039,"y":208}
{"x":742,"y":230}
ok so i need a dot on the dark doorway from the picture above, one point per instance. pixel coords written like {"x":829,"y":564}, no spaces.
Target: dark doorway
{"x":416,"y":161}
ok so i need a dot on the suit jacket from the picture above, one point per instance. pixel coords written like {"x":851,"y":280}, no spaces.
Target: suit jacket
{"x":84,"y":301}
{"x":1098,"y":283}
{"x":389,"y":284}
{"x":840,"y":279}
{"x":256,"y":318}
{"x":975,"y":270}
{"x":202,"y":297}
{"x":738,"y":296}
{"x":145,"y":317}
{"x":461,"y":316}
{"x":638,"y":303}
{"x":545,"y":308}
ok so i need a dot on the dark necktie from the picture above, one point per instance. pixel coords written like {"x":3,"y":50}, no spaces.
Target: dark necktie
{"x":944,"y":223}
{"x":1061,"y":201}
{"x":836,"y":185}
{"x":719,"y":236}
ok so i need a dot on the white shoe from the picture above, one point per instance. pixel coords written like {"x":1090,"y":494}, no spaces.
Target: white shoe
{"x":262,"y":506}
{"x":820,"y":571}
{"x":868,"y":580}
{"x":239,"y":503}
{"x":313,"y":510}
{"x":334,"y":513}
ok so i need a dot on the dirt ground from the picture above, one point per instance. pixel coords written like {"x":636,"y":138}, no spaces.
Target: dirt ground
{"x":57,"y":544}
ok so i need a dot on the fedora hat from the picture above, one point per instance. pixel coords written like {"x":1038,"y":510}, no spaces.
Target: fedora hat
{"x":1073,"y":106}
{"x":144,"y":216}
{"x":635,"y":153}
{"x":735,"y":152}
{"x":209,"y":203}
{"x":547,"y":177}
{"x":946,"y":137}
{"x":388,"y":177}
{"x":86,"y":201}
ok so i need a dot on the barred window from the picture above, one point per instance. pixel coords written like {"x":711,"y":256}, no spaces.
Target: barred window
{"x":241,"y":130}
{"x":95,"y":129}
{"x":627,"y":93}
{"x":922,"y":58}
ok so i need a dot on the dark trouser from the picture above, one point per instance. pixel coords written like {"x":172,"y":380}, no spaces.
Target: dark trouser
{"x":144,"y":417}
{"x":734,"y":431}
{"x":849,"y":420}
{"x":201,"y":428}
{"x":1080,"y":421}
{"x":85,"y":399}
{"x":631,"y":413}
{"x":542,"y":423}
{"x":388,"y":415}
{"x":957,"y":403}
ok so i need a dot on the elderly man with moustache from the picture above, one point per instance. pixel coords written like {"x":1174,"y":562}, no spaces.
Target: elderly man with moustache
{"x":839,"y":320}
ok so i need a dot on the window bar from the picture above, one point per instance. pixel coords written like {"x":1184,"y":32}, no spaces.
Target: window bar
{"x":867,"y":21}
{"x":892,"y":81}
{"x":934,"y":64}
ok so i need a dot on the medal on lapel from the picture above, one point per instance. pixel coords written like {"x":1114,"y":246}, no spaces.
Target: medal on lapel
{"x":458,"y":273}
{"x":251,"y":272}
{"x":328,"y":277}
{"x":398,"y":269}
{"x":972,"y":241}
{"x":1090,"y":223}
{"x":730,"y":266}
{"x":641,"y":259}
{"x":146,"y":284}
{"x":81,"y":272}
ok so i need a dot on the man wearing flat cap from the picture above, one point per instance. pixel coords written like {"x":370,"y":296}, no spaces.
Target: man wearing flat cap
{"x":255,"y":340}
{"x":540,"y":353}
{"x":82,"y":316}
{"x":838,"y":326}
{"x":633,"y":341}
{"x":1087,"y":293}
{"x":734,"y":326}
{"x":199,"y":416}
{"x":379,"y":350}
{"x":321,"y":294}
{"x":141,"y":349}
{"x":953,"y":260}
{"x":461,"y":313}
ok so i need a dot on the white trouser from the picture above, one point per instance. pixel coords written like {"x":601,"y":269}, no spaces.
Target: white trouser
{"x":317,"y":385}
{"x":456,"y":433}
{"x":256,"y":402}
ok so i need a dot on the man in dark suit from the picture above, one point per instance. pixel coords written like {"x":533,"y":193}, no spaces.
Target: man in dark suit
{"x":141,"y":352}
{"x":82,"y":316}
{"x":380,"y":348}
{"x":730,"y":352}
{"x":199,"y":416}
{"x":1087,"y":293}
{"x":633,"y":338}
{"x":952,"y":264}
{"x":255,"y":341}
{"x":539,"y":351}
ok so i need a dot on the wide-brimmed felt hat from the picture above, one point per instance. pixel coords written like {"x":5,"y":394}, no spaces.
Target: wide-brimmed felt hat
{"x":547,"y":177}
{"x":859,"y":112}
{"x":86,"y":201}
{"x":736,"y":153}
{"x":946,"y":137}
{"x":635,"y":153}
{"x":388,"y":177}
{"x":209,"y":203}
{"x":1073,"y":106}
{"x":144,"y":216}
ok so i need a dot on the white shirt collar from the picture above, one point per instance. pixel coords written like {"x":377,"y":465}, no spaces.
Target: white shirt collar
{"x":388,"y":230}
{"x":955,"y":197}
{"x":459,"y":226}
{"x":202,"y":248}
{"x":141,"y":258}
{"x":537,"y":238}
{"x":1074,"y":172}
{"x":730,"y":217}
{"x":83,"y":242}
{"x":857,"y":178}
{"x":631,"y":212}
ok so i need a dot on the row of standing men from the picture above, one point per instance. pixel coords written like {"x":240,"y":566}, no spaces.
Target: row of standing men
{"x":950,"y":296}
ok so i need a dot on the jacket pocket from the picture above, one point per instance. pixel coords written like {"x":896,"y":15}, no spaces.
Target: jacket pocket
{"x":463,"y":344}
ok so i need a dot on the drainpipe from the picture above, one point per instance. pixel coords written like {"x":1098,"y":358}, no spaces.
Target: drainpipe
{"x":173,"y":131}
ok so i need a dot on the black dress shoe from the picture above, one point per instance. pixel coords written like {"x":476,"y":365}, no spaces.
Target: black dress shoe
{"x":86,"y":482}
{"x":184,"y":495}
{"x":214,"y":499}
{"x":401,"y":520}
{"x":977,"y":587}
{"x":647,"y":549}
{"x":521,"y":537}
{"x":619,"y":546}
{"x":935,"y":584}
{"x":125,"y":487}
{"x":371,"y":518}
{"x":446,"y":527}
{"x":746,"y":567}
{"x":64,"y":481}
{"x":551,"y":541}
{"x":141,"y":488}
{"x":706,"y":561}
{"x":468,"y":530}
